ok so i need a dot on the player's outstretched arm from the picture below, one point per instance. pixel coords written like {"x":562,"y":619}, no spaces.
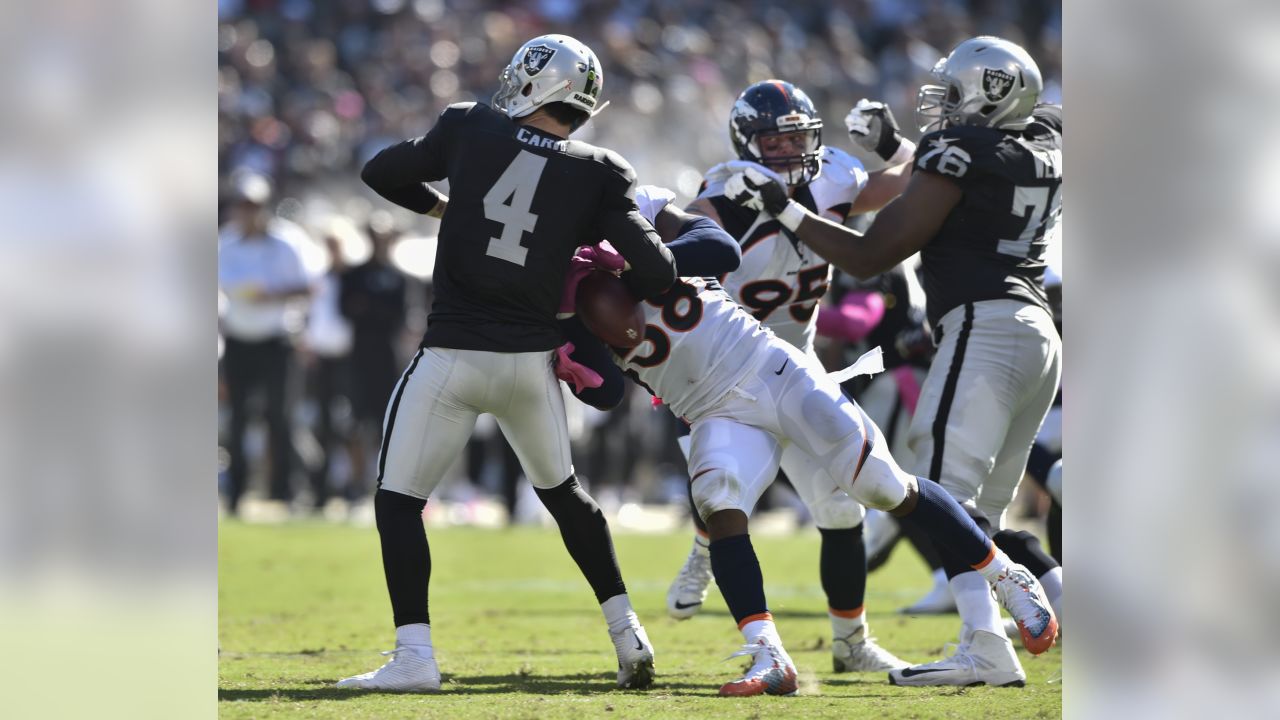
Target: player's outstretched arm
{"x":883,"y":186}
{"x":900,"y":230}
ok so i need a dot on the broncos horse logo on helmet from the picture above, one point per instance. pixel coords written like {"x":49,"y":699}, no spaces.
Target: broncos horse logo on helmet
{"x":772,"y":108}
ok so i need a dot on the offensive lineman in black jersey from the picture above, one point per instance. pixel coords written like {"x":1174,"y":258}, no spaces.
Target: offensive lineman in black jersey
{"x":983,"y":201}
{"x":523,"y":199}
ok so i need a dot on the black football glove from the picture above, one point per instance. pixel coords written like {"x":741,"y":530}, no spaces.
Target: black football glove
{"x":872,"y":127}
{"x":756,"y":188}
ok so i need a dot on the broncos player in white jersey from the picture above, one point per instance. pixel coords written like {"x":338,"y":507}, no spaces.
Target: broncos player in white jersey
{"x":780,"y":283}
{"x":982,"y":206}
{"x":751,"y":399}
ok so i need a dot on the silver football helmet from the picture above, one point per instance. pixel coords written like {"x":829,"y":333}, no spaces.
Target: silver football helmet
{"x":986,"y":81}
{"x":550,"y":68}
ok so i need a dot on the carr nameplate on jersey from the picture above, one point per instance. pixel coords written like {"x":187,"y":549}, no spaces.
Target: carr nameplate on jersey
{"x":536,"y":58}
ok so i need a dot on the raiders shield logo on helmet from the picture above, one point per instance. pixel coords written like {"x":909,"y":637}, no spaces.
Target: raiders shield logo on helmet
{"x":536,"y":58}
{"x":996,"y":84}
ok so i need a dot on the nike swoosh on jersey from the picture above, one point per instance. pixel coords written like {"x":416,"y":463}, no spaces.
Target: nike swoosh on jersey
{"x":686,"y":606}
{"x":784,"y":367}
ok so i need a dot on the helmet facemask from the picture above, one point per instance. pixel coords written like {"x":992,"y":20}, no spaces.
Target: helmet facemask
{"x":797,"y":169}
{"x":509,"y":86}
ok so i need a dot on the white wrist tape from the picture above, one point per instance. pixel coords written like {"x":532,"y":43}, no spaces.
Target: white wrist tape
{"x":792,"y":215}
{"x":904,"y":153}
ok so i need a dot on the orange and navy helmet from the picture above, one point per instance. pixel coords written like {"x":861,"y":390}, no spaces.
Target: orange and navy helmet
{"x":776,"y":107}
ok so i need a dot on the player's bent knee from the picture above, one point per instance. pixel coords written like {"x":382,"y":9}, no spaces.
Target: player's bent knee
{"x":568,"y":496}
{"x":881,"y":484}
{"x":715,"y":489}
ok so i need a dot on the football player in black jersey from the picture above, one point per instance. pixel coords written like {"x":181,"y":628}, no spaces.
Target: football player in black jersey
{"x":524,"y":197}
{"x":983,"y":201}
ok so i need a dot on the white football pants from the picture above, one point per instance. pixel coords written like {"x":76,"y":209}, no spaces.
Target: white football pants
{"x":434,"y":407}
{"x":788,"y":407}
{"x":987,"y":392}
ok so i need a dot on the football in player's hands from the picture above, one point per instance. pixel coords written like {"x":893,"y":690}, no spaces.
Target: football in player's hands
{"x":609,"y":310}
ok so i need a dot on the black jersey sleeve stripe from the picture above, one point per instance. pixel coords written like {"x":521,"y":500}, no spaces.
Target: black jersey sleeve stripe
{"x":949,"y":395}
{"x":391,"y":415}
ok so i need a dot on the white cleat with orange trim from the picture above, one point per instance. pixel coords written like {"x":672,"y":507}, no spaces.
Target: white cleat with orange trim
{"x":1023,"y":596}
{"x":771,"y":672}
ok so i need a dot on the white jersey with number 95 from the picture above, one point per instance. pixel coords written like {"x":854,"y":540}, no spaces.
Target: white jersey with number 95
{"x":781,"y":280}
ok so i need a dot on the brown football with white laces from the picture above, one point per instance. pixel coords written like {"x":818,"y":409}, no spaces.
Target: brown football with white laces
{"x":609,"y":310}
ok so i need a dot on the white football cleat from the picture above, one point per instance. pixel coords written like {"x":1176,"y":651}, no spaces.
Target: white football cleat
{"x":689,"y":590}
{"x":635,"y":658}
{"x":1022,"y":595}
{"x":771,"y":672}
{"x":859,"y":653}
{"x":938,"y":601}
{"x":984,"y":659}
{"x":406,"y":671}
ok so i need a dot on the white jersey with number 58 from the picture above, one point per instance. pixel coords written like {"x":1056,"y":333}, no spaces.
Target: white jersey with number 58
{"x":697,"y":345}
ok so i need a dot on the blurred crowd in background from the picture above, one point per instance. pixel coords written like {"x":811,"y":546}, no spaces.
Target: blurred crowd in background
{"x":308,"y":91}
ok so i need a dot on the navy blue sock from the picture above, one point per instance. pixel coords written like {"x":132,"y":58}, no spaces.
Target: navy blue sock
{"x":957,"y":536}
{"x":924,"y":545}
{"x":843,"y":567}
{"x":737,"y":573}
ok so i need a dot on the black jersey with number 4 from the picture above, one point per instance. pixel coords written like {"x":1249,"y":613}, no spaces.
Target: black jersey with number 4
{"x":992,"y":244}
{"x":520,"y":202}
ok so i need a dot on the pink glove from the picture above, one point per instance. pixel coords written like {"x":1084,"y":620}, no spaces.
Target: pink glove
{"x":587,"y":258}
{"x":604,"y":256}
{"x":908,"y":387}
{"x":857,"y":315}
{"x":576,"y":374}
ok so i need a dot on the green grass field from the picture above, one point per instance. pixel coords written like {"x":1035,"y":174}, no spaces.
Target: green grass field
{"x":519,"y":635}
